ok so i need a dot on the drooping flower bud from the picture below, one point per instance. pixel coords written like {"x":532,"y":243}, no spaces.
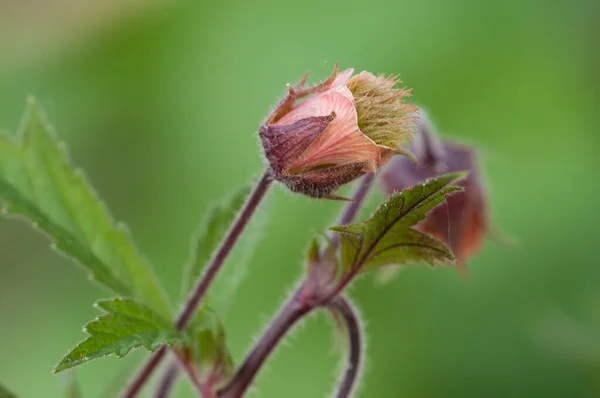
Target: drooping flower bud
{"x":317,"y":145}
{"x":462,"y":222}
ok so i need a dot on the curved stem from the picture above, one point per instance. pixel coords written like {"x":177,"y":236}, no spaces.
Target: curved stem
{"x":291,"y":312}
{"x":167,"y":382}
{"x":343,"y":307}
{"x":297,"y":306}
{"x":210,"y":272}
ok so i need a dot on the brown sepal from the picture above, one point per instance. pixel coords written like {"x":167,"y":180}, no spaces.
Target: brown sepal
{"x":283,"y":144}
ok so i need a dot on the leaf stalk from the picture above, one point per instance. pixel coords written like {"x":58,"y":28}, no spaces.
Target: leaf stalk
{"x":206,"y":279}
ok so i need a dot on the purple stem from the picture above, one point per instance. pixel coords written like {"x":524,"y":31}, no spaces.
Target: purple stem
{"x":343,"y":306}
{"x":298,"y":305}
{"x":218,"y":258}
{"x":204,"y":390}
{"x":166,"y":384}
{"x":210,"y":272}
{"x":352,"y":209}
{"x":142,"y":377}
{"x":292,"y":312}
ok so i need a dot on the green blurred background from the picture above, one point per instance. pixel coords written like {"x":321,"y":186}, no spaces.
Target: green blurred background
{"x":160,"y":103}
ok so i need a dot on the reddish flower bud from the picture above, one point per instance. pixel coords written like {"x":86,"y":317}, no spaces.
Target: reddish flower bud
{"x":462,"y":222}
{"x":350,"y":125}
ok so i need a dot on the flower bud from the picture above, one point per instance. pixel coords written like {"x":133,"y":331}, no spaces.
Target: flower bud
{"x":463,"y":221}
{"x":345,"y":127}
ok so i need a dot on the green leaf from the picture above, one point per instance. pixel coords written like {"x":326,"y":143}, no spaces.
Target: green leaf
{"x":127,"y":324}
{"x":387,"y":238}
{"x":313,"y":253}
{"x":208,"y":347}
{"x":38,"y":182}
{"x":4,"y":393}
{"x":213,"y":229}
{"x":63,"y":239}
{"x":206,"y":334}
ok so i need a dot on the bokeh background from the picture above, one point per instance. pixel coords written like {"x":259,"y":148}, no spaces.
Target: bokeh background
{"x":160,"y":102}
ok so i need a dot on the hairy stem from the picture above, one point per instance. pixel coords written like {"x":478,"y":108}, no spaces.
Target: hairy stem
{"x":299,"y":305}
{"x":343,"y":307}
{"x":288,"y":316}
{"x":210,"y":272}
{"x":219,"y":257}
{"x":352,"y":209}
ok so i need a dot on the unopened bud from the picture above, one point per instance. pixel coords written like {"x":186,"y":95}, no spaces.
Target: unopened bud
{"x":318,"y":145}
{"x":463,"y":221}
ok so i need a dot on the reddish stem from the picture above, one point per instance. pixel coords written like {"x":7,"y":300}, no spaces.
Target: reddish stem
{"x":142,"y":377}
{"x":347,"y":385}
{"x":218,"y":258}
{"x":167,"y":382}
{"x":357,"y":201}
{"x":304,"y":300}
{"x":295,"y":308}
{"x":204,"y":390}
{"x":210,"y":272}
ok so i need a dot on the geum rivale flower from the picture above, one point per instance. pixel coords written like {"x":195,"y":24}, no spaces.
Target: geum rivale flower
{"x":346,"y":126}
{"x":461,"y":223}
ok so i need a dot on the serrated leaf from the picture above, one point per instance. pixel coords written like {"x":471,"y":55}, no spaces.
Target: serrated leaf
{"x":212,"y":230}
{"x":4,"y":393}
{"x":38,"y":182}
{"x":387,"y":238}
{"x":126,"y":325}
{"x":409,"y":247}
{"x":63,"y":239}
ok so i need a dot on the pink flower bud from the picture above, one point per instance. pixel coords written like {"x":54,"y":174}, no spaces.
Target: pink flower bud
{"x":347,"y":126}
{"x":463,"y":221}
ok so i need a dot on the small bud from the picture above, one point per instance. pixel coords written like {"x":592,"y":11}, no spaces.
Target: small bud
{"x":318,"y":145}
{"x":463,"y":222}
{"x":321,"y":270}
